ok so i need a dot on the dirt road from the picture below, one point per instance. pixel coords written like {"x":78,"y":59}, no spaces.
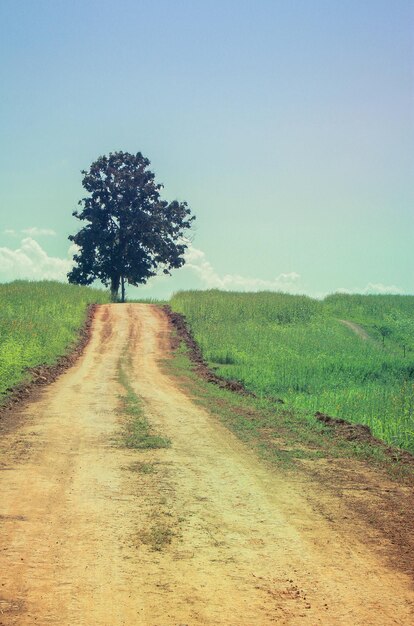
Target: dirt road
{"x":356,"y":328}
{"x":199,"y":533}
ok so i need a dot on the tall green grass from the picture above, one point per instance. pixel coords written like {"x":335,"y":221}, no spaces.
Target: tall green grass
{"x":39,"y":321}
{"x":297,"y":349}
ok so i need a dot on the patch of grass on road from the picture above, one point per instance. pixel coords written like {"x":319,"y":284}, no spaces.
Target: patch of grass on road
{"x":143,"y":468}
{"x":137,"y":430}
{"x":157,"y":537}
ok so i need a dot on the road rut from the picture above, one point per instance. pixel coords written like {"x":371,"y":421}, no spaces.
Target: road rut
{"x":201,"y":533}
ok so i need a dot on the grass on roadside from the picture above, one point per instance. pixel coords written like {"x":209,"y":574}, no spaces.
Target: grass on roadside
{"x":298,"y":349}
{"x":39,"y":322}
{"x":285,"y":437}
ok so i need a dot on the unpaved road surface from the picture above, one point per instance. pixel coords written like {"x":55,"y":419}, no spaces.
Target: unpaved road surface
{"x":199,"y":533}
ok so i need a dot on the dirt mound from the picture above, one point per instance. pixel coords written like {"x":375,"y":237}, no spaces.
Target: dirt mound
{"x":46,"y":374}
{"x":349,"y":431}
{"x":363,"y":434}
{"x":184,"y":333}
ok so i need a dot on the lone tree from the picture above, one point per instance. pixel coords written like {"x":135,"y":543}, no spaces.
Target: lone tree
{"x":131,"y":232}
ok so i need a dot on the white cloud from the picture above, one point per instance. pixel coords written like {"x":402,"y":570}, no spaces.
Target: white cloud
{"x":32,"y":262}
{"x":73,"y":249}
{"x":374,"y":288}
{"x":198,"y":263}
{"x":34,"y":231}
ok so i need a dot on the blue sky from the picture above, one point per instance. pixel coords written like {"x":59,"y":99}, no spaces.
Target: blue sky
{"x":287,"y":126}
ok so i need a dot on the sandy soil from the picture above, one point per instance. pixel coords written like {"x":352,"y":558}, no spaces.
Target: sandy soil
{"x":198,"y":533}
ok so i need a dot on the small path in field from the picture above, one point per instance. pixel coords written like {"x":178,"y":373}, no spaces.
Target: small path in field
{"x":201,"y":533}
{"x":356,"y":328}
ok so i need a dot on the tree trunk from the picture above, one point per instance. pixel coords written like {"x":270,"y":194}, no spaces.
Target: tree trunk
{"x":115,"y":280}
{"x":122,"y":289}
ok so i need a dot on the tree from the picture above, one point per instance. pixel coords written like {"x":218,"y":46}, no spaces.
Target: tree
{"x":131,"y":232}
{"x":384,"y":331}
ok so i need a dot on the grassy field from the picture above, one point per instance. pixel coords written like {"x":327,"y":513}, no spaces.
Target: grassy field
{"x":282,"y":346}
{"x":39,"y":321}
{"x":299,"y":350}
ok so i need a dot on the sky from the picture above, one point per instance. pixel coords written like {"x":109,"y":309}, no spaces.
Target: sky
{"x":287,"y":126}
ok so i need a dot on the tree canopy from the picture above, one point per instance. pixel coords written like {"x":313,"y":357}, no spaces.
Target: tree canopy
{"x":131,"y":233}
